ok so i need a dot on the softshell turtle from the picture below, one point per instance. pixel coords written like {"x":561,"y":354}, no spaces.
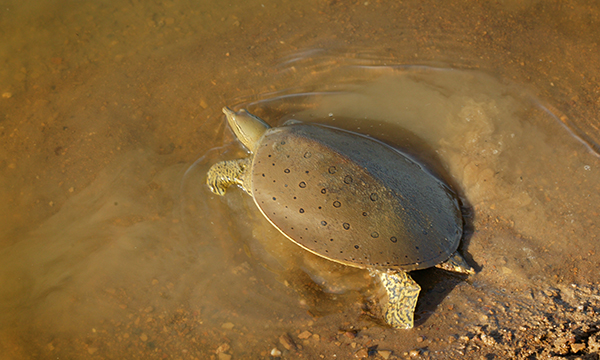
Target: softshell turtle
{"x":350,"y":199}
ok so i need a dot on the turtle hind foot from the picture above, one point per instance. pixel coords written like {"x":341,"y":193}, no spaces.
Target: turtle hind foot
{"x":402,"y":293}
{"x":226,"y":173}
{"x":457,"y":263}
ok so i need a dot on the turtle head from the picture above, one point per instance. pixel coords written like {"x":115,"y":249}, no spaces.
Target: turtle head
{"x":247,"y":127}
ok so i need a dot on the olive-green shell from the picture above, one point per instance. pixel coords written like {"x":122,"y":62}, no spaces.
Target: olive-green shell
{"x":354,"y":200}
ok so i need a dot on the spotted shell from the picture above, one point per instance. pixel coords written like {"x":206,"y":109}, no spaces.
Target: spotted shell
{"x":354,"y":200}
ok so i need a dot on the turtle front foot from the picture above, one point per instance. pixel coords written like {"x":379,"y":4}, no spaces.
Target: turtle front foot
{"x":226,"y":173}
{"x":402,"y":293}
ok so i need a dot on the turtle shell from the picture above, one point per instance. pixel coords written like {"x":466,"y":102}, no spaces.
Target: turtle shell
{"x":354,"y":200}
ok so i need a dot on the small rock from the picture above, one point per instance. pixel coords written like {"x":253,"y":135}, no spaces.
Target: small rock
{"x":420,"y":339}
{"x":577,"y":347}
{"x":350,"y":334}
{"x":222,"y":348}
{"x":275,"y":352}
{"x":488,"y":340}
{"x":414,"y":353}
{"x":361,"y":354}
{"x":144,"y":337}
{"x":384,"y":353}
{"x":7,"y":95}
{"x":287,"y":342}
{"x":227,"y":326}
{"x":223,"y":356}
{"x":92,"y":350}
{"x":304,"y":335}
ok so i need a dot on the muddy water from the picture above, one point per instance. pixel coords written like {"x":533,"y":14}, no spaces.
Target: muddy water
{"x":112,"y":247}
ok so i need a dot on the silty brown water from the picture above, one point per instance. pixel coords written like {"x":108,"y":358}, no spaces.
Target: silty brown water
{"x":111,"y":246}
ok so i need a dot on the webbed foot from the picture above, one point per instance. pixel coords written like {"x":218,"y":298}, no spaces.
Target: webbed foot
{"x":456,"y":263}
{"x":226,"y":173}
{"x":402,"y":292}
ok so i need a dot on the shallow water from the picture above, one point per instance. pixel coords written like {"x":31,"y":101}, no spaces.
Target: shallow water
{"x":113,"y":247}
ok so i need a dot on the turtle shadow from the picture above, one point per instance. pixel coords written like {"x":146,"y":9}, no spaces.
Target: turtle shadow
{"x":435,"y":284}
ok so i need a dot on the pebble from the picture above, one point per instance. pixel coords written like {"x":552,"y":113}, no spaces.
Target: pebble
{"x":144,"y":337}
{"x":488,"y":340}
{"x":227,"y":326}
{"x":92,"y":350}
{"x":420,"y":339}
{"x":384,"y":353}
{"x":414,"y":353}
{"x":349,"y":334}
{"x":577,"y":347}
{"x":361,"y":354}
{"x":222,"y":348}
{"x":7,"y":95}
{"x":223,"y":356}
{"x":304,"y":335}
{"x":275,"y":352}
{"x":287,"y":342}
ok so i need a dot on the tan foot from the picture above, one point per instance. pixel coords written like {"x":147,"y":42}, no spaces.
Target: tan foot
{"x":402,"y":292}
{"x":226,"y":173}
{"x":457,"y":263}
